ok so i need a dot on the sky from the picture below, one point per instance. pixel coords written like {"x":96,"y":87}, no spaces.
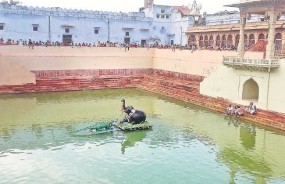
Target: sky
{"x":209,"y":6}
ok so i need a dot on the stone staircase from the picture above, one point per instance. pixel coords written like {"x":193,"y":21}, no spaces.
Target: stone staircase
{"x":188,"y":91}
{"x":13,"y":74}
{"x":74,"y":84}
{"x":182,"y":87}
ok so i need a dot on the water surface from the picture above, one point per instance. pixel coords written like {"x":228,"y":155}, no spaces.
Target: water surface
{"x":186,"y":145}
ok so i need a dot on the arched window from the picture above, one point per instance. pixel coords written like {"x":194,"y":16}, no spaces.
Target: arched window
{"x":245,"y":41}
{"x":261,"y":37}
{"x":201,"y":41}
{"x":230,"y":41}
{"x":218,"y":41}
{"x":278,"y":41}
{"x":211,"y":41}
{"x":237,"y":40}
{"x":192,"y":40}
{"x":206,"y":41}
{"x":224,"y":40}
{"x":251,"y":40}
{"x":250,"y":90}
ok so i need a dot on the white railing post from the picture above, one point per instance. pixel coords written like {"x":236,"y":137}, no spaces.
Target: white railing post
{"x":258,"y":63}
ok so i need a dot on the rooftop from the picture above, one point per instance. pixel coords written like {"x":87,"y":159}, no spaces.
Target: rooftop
{"x":256,"y":3}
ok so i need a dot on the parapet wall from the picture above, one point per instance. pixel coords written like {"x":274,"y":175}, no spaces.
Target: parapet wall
{"x":199,"y":63}
{"x":61,"y":12}
{"x":67,"y":58}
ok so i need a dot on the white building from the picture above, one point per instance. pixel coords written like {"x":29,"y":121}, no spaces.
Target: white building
{"x":153,"y":24}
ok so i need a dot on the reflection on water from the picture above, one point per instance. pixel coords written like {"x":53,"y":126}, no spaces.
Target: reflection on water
{"x":247,"y":137}
{"x":38,"y":145}
{"x":132,"y":138}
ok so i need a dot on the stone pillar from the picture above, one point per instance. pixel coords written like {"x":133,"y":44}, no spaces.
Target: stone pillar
{"x":256,"y":34}
{"x":214,"y":40}
{"x":283,"y":40}
{"x":197,"y":40}
{"x":234,"y":38}
{"x":270,"y":48}
{"x":241,"y":49}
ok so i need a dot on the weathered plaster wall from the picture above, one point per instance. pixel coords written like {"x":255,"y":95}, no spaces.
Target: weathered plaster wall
{"x":276,"y":96}
{"x":228,"y":83}
{"x":54,"y":58}
{"x":200,"y":62}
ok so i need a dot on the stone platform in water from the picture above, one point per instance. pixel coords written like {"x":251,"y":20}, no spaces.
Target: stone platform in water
{"x":129,"y":127}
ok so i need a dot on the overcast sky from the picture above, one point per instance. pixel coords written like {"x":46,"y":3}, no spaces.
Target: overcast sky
{"x":210,"y":6}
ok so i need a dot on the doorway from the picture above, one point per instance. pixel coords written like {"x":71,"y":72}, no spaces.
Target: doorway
{"x":143,"y":42}
{"x":127,"y":40}
{"x":66,"y":39}
{"x":250,"y":90}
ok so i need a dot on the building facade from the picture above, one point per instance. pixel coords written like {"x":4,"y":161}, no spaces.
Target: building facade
{"x":153,"y":24}
{"x":228,"y":35}
{"x":245,"y":78}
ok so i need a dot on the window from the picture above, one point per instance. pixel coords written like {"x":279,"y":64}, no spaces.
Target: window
{"x":157,"y":16}
{"x":167,"y":16}
{"x":67,"y":30}
{"x":96,"y":31}
{"x":127,"y":33}
{"x":162,"y":16}
{"x":162,"y":11}
{"x":1,"y":27}
{"x":35,"y":28}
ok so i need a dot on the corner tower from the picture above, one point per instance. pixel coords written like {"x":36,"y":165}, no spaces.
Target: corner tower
{"x":148,"y":3}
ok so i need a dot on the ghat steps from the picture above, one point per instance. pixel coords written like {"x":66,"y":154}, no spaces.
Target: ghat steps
{"x":191,"y":94}
{"x":181,"y":88}
{"x":14,"y":74}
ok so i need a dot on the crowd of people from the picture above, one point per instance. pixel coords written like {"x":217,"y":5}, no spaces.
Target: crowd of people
{"x":236,"y":110}
{"x":173,"y":47}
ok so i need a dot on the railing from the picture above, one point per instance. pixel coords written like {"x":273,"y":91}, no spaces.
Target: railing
{"x":279,"y":54}
{"x":251,"y":64}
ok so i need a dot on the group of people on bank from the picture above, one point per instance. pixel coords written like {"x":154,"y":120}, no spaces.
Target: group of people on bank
{"x":238,"y":111}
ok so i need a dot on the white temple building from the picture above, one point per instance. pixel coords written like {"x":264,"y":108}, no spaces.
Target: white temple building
{"x":153,"y":24}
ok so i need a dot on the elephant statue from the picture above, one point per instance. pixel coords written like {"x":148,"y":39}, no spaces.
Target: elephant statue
{"x":132,"y":115}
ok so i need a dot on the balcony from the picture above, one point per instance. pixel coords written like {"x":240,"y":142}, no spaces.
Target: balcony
{"x":265,"y":65}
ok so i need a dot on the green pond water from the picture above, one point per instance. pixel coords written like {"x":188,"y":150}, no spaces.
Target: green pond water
{"x":186,"y":145}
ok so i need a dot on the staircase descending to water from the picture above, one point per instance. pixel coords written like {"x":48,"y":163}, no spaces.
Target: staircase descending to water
{"x":180,"y":87}
{"x":188,"y":91}
{"x":13,"y":74}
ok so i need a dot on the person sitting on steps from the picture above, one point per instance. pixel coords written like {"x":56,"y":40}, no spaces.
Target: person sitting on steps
{"x":251,"y":109}
{"x":230,"y":110}
{"x":238,"y":111}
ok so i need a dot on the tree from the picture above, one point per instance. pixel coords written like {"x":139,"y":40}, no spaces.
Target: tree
{"x":10,"y":2}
